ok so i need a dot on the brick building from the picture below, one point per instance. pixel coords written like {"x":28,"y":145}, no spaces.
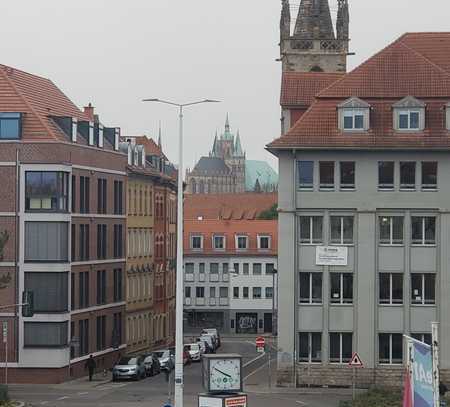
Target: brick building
{"x":62,"y":207}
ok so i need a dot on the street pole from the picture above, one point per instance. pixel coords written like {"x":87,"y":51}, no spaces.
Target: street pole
{"x":435,"y":350}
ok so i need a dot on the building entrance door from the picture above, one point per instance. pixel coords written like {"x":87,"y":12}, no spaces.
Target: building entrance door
{"x":246,"y":323}
{"x":268,"y":323}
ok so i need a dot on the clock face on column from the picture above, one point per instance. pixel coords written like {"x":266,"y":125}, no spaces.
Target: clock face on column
{"x":225,"y":375}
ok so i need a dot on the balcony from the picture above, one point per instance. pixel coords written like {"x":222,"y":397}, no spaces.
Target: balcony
{"x":200,"y":301}
{"x":188,"y":301}
{"x":212,"y":301}
{"x":224,"y":301}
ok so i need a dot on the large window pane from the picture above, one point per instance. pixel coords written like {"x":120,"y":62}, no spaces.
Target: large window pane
{"x":386,"y":174}
{"x":397,"y":348}
{"x":304,"y":347}
{"x":50,"y":291}
{"x":385,"y":230}
{"x":416,"y":289}
{"x":429,"y":175}
{"x":305,"y":287}
{"x":335,"y":225}
{"x":347,"y":170}
{"x":326,"y":170}
{"x":316,"y":288}
{"x":335,"y":348}
{"x":430,"y":288}
{"x":430,"y":230}
{"x":46,"y":191}
{"x":45,"y":334}
{"x":347,"y":347}
{"x":46,"y":241}
{"x":407,"y":175}
{"x":397,"y":288}
{"x":316,"y":347}
{"x":10,"y":124}
{"x":306,"y":174}
{"x":347,"y":229}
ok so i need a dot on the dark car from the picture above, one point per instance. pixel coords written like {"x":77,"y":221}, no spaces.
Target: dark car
{"x":152,"y":365}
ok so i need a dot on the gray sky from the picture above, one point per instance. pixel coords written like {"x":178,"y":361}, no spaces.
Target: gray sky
{"x":113,"y":53}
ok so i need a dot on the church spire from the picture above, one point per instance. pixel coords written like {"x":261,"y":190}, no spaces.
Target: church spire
{"x":285,"y":22}
{"x":227,"y":124}
{"x":343,"y":20}
{"x":314,"y":20}
{"x":238,"y":147}
{"x":214,"y":149}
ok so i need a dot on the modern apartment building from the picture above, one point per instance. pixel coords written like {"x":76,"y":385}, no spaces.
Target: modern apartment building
{"x":62,"y":228}
{"x":229,"y":268}
{"x":364,"y":214}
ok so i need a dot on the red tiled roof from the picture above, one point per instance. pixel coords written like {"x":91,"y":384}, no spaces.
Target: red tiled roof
{"x":150,"y":146}
{"x":227,"y":206}
{"x":300,"y":88}
{"x":401,"y":69}
{"x":230,"y":229}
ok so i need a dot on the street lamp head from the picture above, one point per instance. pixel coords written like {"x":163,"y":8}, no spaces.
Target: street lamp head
{"x":150,"y":100}
{"x":211,"y":101}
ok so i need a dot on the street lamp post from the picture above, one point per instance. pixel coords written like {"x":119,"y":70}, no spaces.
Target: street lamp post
{"x":179,"y":269}
{"x":274,"y":309}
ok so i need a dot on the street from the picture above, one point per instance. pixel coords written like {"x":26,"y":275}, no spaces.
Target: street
{"x":153,"y":391}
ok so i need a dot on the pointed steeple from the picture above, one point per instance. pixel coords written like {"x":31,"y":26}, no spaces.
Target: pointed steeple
{"x":227,"y":124}
{"x":314,"y":20}
{"x":285,"y":22}
{"x":238,"y":147}
{"x":214,"y":149}
{"x":343,"y":20}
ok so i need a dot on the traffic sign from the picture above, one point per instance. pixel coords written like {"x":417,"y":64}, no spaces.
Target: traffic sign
{"x":355,"y":361}
{"x":5,"y":331}
{"x":260,"y":344}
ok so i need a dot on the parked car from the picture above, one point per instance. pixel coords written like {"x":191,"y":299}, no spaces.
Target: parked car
{"x":194,"y":351}
{"x":202,"y":346}
{"x":214,"y":332}
{"x":129,"y":368}
{"x":152,"y":365}
{"x":210,"y":343}
{"x":165,"y":359}
{"x":186,"y":356}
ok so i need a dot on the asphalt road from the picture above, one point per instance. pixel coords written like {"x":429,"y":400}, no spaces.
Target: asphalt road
{"x":153,"y":392}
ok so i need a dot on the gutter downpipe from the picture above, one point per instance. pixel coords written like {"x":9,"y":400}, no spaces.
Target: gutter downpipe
{"x":17,"y":254}
{"x":296,"y":262}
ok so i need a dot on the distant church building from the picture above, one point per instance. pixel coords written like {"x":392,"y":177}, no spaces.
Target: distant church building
{"x":226,"y":169}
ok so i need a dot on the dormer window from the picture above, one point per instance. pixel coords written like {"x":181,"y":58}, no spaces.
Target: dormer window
{"x":74,"y":129}
{"x":91,"y":133}
{"x":354,"y":115}
{"x":10,"y":126}
{"x":409,"y":114}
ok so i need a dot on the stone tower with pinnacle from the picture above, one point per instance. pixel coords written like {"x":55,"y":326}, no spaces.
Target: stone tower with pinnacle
{"x":314,"y":46}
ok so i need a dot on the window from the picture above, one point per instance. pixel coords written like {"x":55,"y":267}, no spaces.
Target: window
{"x":101,"y":287}
{"x":423,"y":230}
{"x":245,"y":292}
{"x":72,"y":291}
{"x":306,"y":174}
{"x":341,"y":288}
{"x":101,"y":332}
{"x":223,"y":292}
{"x":386,"y":175}
{"x":341,"y":229}
{"x":429,"y":175}
{"x":74,"y":185}
{"x":219,"y":242}
{"x":408,"y":119}
{"x":46,"y":191}
{"x":189,"y":271}
{"x":214,"y":272}
{"x":310,"y":347}
{"x":341,"y":347}
{"x":425,"y":338}
{"x":187,"y":292}
{"x":45,"y":334}
{"x":423,"y":289}
{"x":390,"y":349}
{"x":101,"y":195}
{"x":10,"y":126}
{"x":201,"y":272}
{"x":391,"y":289}
{"x":83,"y":332}
{"x":197,"y":242}
{"x":264,"y":242}
{"x":347,"y":174}
{"x":200,"y":292}
{"x":118,"y":285}
{"x":84,"y":194}
{"x":257,"y":269}
{"x":83,"y":287}
{"x":72,"y":242}
{"x":256,"y":293}
{"x":353,"y":119}
{"x":117,"y":330}
{"x":236,"y":268}
{"x":242,"y":242}
{"x":326,"y":173}
{"x":225,"y":272}
{"x":245,"y":269}
{"x":270,"y":268}
{"x":408,"y":175}
{"x":311,"y":229}
{"x":311,"y":288}
{"x":236,"y":292}
{"x":118,"y":197}
{"x":212,"y":292}
{"x":50,"y":291}
{"x":101,"y":241}
{"x":46,"y":242}
{"x":118,"y":241}
{"x":269,"y":292}
{"x":391,"y":230}
{"x":84,"y":242}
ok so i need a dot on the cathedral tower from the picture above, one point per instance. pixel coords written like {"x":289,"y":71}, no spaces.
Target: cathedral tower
{"x":314,"y":46}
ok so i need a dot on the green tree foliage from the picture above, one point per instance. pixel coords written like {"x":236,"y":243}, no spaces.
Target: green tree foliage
{"x":269,"y":214}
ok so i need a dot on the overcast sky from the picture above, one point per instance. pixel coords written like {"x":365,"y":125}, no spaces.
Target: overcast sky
{"x":113,"y":53}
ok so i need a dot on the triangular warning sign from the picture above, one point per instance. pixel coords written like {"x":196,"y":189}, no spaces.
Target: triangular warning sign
{"x":356,"y":361}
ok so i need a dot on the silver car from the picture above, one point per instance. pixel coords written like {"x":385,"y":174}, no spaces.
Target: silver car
{"x":165,"y":359}
{"x":129,"y":368}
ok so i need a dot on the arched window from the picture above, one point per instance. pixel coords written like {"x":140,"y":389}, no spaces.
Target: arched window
{"x":201,"y":187}
{"x":193,"y":186}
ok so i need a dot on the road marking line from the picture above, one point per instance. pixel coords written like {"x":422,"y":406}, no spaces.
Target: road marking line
{"x":43,"y":403}
{"x":63,"y":398}
{"x":301,"y":403}
{"x":254,"y":360}
{"x":256,"y":371}
{"x":82,"y":393}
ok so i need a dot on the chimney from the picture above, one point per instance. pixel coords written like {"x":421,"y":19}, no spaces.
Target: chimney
{"x":89,"y":111}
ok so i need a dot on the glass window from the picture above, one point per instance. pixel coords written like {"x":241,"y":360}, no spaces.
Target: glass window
{"x":408,"y":175}
{"x":341,"y":229}
{"x":257,"y":269}
{"x":269,"y":292}
{"x":386,"y":174}
{"x":326,"y":171}
{"x":429,"y":175}
{"x":310,"y":288}
{"x":223,"y":292}
{"x":50,"y":291}
{"x":10,"y":126}
{"x":306,"y":174}
{"x":45,"y":334}
{"x":423,"y":289}
{"x":391,"y":230}
{"x":408,"y":119}
{"x":46,"y":241}
{"x":391,"y":288}
{"x":425,"y":338}
{"x":212,"y":292}
{"x":264,"y":242}
{"x":341,"y":347}
{"x":353,"y":119}
{"x":46,"y":191}
{"x":256,"y":292}
{"x":196,"y":242}
{"x":242,"y":242}
{"x":101,"y":195}
{"x":390,"y":347}
{"x":310,"y":347}
{"x":236,"y":292}
{"x":245,"y":269}
{"x":341,"y":288}
{"x":423,"y":230}
{"x":189,"y":269}
{"x":118,"y":285}
{"x":214,"y":272}
{"x":270,"y":267}
{"x":347,"y":173}
{"x":245,"y":292}
{"x":311,"y":229}
{"x":219,"y":242}
{"x":200,"y":292}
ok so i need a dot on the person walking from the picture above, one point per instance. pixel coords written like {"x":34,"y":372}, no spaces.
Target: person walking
{"x":91,"y":365}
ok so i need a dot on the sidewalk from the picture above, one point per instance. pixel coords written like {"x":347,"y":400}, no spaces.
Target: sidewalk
{"x":83,"y":383}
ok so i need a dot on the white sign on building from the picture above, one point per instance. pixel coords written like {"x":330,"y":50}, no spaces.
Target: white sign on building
{"x":331,"y":256}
